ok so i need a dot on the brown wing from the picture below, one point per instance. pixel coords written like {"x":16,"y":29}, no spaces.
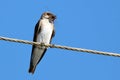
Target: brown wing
{"x":36,"y":31}
{"x":53,"y":34}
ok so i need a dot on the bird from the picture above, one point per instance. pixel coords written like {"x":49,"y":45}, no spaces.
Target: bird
{"x":44,"y":32}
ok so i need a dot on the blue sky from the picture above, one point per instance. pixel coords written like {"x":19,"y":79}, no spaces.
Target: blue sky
{"x":91,"y":24}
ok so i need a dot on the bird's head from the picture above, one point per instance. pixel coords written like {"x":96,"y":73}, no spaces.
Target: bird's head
{"x":48,"y":15}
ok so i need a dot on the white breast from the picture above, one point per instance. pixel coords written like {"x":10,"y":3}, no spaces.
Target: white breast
{"x":46,"y":31}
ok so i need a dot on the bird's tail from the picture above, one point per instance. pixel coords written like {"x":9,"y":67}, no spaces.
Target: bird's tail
{"x":31,"y":69}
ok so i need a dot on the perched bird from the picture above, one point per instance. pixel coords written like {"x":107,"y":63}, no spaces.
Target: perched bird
{"x":43,"y":33}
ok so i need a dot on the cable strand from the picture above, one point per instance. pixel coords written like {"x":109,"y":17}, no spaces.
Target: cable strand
{"x":60,"y":47}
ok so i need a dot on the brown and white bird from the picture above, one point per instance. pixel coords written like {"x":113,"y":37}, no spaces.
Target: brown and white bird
{"x":44,"y":31}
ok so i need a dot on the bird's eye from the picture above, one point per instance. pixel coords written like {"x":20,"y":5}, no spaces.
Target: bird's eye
{"x":53,"y":17}
{"x":48,"y":13}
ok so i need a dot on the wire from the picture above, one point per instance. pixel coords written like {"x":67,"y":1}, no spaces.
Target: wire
{"x":60,"y":47}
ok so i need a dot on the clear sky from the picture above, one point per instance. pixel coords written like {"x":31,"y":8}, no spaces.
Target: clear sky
{"x":91,"y":24}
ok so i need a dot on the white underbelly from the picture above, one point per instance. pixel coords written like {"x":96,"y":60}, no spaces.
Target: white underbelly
{"x":45,"y":35}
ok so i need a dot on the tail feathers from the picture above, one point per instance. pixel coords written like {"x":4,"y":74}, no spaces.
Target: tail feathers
{"x":32,"y":69}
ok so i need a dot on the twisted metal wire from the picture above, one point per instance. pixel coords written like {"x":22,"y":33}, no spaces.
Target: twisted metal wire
{"x":60,"y":47}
